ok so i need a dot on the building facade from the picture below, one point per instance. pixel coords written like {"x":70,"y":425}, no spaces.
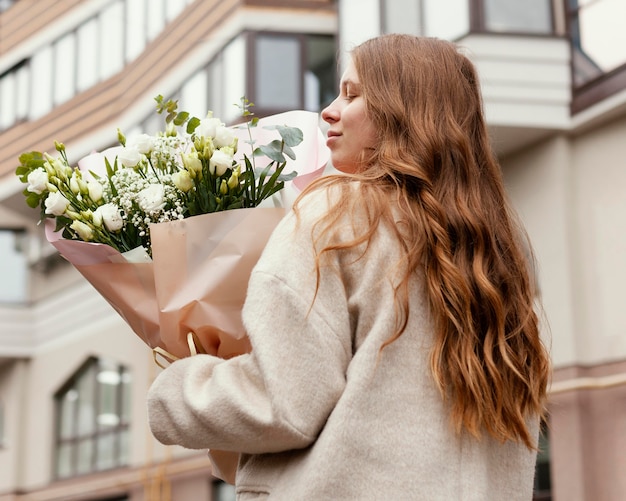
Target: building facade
{"x":73,"y":376}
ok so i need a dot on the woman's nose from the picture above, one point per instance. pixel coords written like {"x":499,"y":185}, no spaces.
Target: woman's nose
{"x":330,"y":114}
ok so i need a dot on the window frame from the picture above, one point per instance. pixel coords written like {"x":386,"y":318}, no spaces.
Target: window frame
{"x":90,"y":368}
{"x":596,"y":89}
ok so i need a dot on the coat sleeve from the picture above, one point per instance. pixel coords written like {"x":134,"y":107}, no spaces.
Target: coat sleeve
{"x":279,"y":396}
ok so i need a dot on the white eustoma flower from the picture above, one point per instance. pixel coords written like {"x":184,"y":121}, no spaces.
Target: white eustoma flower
{"x":84,"y":230}
{"x":208,"y":127}
{"x":182,"y":180}
{"x":191,"y":162}
{"x":110,"y":215}
{"x":143,"y":143}
{"x":129,"y":157}
{"x":223,"y":137}
{"x":220,"y":161}
{"x":56,"y":204}
{"x":152,"y":198}
{"x":38,"y":181}
{"x":95,"y":190}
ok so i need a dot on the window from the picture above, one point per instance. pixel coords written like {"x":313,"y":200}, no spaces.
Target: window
{"x":291,"y":72}
{"x":223,"y":491}
{"x":598,"y":44}
{"x":543,"y":486}
{"x":13,"y":266}
{"x":597,"y":36}
{"x":5,"y":4}
{"x":83,"y":56}
{"x":93,"y":415}
{"x":439,"y":23}
{"x":530,"y":16}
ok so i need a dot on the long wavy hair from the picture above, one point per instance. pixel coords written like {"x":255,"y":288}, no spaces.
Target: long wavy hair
{"x":455,"y":227}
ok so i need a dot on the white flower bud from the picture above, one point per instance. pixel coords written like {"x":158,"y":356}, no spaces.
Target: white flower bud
{"x":95,"y":190}
{"x":84,"y":230}
{"x":182,"y":180}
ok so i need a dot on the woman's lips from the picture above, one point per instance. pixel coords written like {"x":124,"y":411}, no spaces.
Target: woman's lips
{"x":332,"y":138}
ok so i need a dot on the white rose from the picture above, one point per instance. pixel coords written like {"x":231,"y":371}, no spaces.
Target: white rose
{"x":220,"y":161}
{"x":223,"y":136}
{"x":129,"y":157}
{"x":56,"y":204}
{"x":95,"y":190}
{"x":110,"y":216}
{"x":182,"y":180}
{"x":143,"y":143}
{"x":84,"y":231}
{"x":152,"y":198}
{"x":38,"y":181}
{"x":207,"y":127}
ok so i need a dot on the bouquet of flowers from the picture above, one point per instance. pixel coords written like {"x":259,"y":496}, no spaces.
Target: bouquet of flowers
{"x":168,"y":227}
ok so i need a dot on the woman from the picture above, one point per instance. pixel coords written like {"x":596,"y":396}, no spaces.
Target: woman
{"x":396,"y":352}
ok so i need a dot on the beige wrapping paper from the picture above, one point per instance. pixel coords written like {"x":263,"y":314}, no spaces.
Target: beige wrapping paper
{"x":197,"y":279}
{"x":196,"y":282}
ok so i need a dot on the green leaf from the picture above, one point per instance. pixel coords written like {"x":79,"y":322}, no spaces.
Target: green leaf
{"x":291,"y":135}
{"x":181,"y":118}
{"x":33,"y":200}
{"x":272,"y":150}
{"x":192,"y":124}
{"x":289,"y":152}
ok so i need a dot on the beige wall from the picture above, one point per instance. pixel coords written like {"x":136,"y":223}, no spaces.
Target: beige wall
{"x":537,"y":180}
{"x":569,"y":192}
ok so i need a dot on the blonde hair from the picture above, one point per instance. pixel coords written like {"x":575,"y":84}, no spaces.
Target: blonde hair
{"x":457,"y":229}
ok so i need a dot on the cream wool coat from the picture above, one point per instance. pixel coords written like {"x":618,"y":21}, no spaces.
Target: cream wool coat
{"x":315,"y":410}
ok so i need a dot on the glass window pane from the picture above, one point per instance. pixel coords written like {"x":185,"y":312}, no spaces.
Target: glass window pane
{"x":41,"y":89}
{"x":84,"y":463}
{"x":64,"y":68}
{"x":234,"y":75}
{"x":7,"y":100}
{"x":215,"y":89}
{"x":124,"y":453}
{"x":67,"y":415}
{"x":602,"y":33}
{"x":22,"y":77}
{"x":530,"y":16}
{"x":319,"y":84}
{"x":194,"y":93}
{"x":135,"y":28}
{"x":173,"y":8}
{"x":111,"y":41}
{"x":402,"y":16}
{"x":278,"y":72}
{"x":105,"y":457}
{"x":13,"y":265}
{"x":86,"y":400}
{"x":223,"y":491}
{"x":87,"y":58}
{"x":126,"y":400}
{"x":64,"y":460}
{"x":439,"y":23}
{"x":156,"y":18}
